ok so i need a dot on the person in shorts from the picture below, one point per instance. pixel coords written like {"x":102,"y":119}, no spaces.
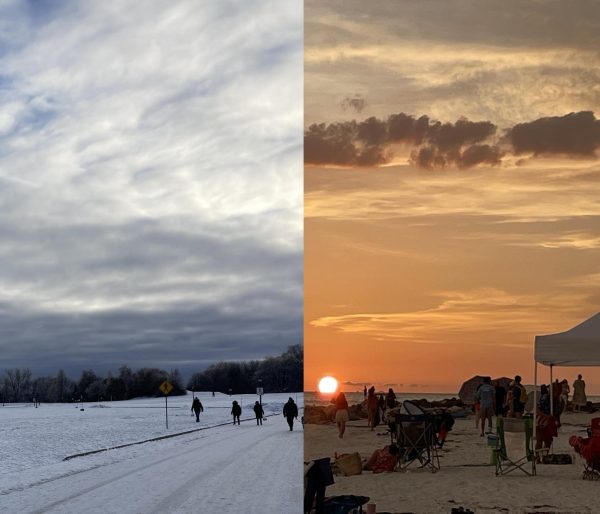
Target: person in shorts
{"x":486,"y":396}
{"x":341,"y":413}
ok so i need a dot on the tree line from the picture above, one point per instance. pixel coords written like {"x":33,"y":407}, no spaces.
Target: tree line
{"x":17,"y":385}
{"x":280,"y":374}
{"x":283,"y":373}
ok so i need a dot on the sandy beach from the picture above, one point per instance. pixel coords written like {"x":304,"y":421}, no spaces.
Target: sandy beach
{"x":466,"y":478}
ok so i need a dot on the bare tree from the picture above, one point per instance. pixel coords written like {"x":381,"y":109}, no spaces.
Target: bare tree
{"x":17,"y":382}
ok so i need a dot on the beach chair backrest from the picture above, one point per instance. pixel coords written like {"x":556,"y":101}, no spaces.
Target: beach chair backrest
{"x":518,"y":455}
{"x":411,"y":408}
{"x":513,"y":424}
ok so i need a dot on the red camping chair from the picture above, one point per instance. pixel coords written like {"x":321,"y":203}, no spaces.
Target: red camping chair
{"x":589,"y":449}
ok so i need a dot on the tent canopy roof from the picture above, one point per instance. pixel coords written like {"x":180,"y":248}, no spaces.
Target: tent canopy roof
{"x":579,"y":346}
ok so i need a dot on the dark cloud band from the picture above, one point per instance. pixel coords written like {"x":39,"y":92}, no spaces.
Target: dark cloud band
{"x":463,"y":144}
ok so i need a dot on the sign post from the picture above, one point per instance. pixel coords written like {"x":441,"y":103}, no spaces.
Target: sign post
{"x":166,"y":387}
{"x":259,"y":391}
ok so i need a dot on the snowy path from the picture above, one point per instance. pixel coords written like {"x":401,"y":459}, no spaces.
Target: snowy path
{"x":229,"y":469}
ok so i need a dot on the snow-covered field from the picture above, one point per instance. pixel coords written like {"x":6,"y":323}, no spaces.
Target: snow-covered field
{"x":34,"y":442}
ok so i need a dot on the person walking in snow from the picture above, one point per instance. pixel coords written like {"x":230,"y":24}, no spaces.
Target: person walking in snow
{"x":290,"y":411}
{"x":197,"y":408}
{"x":258,"y":412}
{"x":236,"y":411}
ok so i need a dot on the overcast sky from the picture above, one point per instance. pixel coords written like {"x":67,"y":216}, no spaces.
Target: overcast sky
{"x":452,"y":186}
{"x":150,"y":182}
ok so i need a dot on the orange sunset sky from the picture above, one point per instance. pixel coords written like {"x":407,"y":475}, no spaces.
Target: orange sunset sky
{"x":452,"y":188}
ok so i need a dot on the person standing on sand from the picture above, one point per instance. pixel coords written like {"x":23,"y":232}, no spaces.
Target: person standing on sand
{"x":390,"y":399}
{"x":500,"y":398}
{"x":197,"y":408}
{"x":486,"y":396}
{"x":341,"y":413}
{"x":372,"y":408}
{"x":545,"y":430}
{"x":381,"y":406}
{"x":564,"y":395}
{"x":290,"y":411}
{"x":258,"y":412}
{"x":519,"y":398}
{"x":477,"y":407}
{"x":365,"y":392}
{"x":236,"y":412}
{"x":579,"y":396}
{"x":556,"y":391}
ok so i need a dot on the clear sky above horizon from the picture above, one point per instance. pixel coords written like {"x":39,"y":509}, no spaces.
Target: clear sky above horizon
{"x":150,"y":183}
{"x":452,"y":188}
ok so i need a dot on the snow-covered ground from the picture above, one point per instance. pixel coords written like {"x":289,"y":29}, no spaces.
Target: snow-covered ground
{"x":220,"y":469}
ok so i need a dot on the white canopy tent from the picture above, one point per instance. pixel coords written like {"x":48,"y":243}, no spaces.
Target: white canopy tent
{"x":579,"y":346}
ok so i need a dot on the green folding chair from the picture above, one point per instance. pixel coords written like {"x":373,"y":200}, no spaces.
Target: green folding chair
{"x":507,"y":461}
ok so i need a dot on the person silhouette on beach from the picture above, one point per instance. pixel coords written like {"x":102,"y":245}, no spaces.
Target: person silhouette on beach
{"x":390,"y":399}
{"x":579,"y":396}
{"x":341,"y":413}
{"x":486,"y":396}
{"x":372,"y":407}
{"x":519,"y":398}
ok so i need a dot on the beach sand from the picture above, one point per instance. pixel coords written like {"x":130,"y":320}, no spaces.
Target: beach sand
{"x":466,"y":477}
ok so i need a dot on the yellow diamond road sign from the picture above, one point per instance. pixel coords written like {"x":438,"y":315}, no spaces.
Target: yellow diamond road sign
{"x":166,"y":387}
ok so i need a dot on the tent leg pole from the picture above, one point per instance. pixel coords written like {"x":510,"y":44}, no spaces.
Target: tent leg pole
{"x":535,"y":402}
{"x":551,"y":393}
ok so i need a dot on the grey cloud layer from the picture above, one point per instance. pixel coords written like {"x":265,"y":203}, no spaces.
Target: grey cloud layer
{"x":507,"y":62}
{"x":434,"y":144}
{"x":150,"y":183}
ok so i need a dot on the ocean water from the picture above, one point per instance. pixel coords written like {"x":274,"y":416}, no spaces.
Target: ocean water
{"x":315,"y":398}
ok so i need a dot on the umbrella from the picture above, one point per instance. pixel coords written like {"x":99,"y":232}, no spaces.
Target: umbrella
{"x":468,"y":389}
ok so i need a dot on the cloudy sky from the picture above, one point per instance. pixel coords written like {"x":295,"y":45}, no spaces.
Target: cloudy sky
{"x":150,"y":182}
{"x":452,"y":186}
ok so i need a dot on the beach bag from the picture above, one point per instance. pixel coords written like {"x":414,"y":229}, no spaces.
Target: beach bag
{"x":349,"y":464}
{"x":557,"y":458}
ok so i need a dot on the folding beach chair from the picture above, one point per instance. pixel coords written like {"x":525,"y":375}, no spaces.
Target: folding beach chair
{"x":316,"y":479}
{"x":514,"y":447}
{"x":318,"y":476}
{"x":413,"y":431}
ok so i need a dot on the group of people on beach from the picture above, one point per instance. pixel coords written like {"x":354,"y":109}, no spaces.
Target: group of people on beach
{"x":491,"y":398}
{"x":376,"y":408}
{"x":290,"y":411}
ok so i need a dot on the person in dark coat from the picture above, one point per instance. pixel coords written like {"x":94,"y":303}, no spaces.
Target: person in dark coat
{"x":197,"y":408}
{"x":236,"y":412}
{"x":258,"y":412}
{"x":390,"y":399}
{"x":290,"y":411}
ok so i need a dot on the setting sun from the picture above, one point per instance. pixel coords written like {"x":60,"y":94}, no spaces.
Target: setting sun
{"x":328,"y":385}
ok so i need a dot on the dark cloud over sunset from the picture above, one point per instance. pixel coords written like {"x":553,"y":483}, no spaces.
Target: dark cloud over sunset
{"x":434,"y":144}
